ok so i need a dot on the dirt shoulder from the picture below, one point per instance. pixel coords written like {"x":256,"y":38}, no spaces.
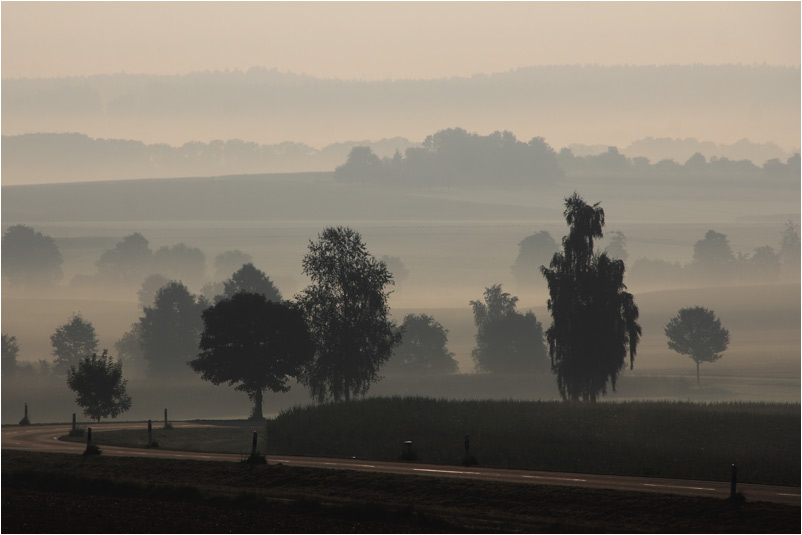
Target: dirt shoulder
{"x":54,"y":493}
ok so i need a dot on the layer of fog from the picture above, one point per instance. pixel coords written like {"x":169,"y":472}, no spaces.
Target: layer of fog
{"x":451,"y":260}
{"x":565,"y":104}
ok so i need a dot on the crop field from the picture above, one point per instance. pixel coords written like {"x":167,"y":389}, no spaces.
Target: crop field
{"x":662,"y":439}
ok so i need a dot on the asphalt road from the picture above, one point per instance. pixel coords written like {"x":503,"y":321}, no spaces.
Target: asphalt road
{"x":45,"y":438}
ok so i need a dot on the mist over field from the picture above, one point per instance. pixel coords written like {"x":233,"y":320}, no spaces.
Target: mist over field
{"x":453,"y":244}
{"x":445,"y":177}
{"x":215,"y":123}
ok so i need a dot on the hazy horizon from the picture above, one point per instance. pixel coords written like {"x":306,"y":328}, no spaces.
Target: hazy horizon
{"x":388,"y":40}
{"x":466,"y":106}
{"x":343,"y":71}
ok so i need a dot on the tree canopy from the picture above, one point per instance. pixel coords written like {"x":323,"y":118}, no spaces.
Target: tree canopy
{"x":170,"y":330}
{"x":230,"y":261}
{"x":255,"y":343}
{"x":712,"y":255}
{"x":455,"y":157}
{"x":617,"y":248}
{"x":99,"y":385}
{"x":594,"y":320}
{"x":396,"y":268}
{"x":128,"y":261}
{"x":180,"y":262}
{"x":423,"y":348}
{"x":697,"y":332}
{"x":533,"y":251}
{"x":30,"y":257}
{"x":72,"y":341}
{"x":150,"y":287}
{"x":506,"y":340}
{"x":251,"y":280}
{"x":347,"y":312}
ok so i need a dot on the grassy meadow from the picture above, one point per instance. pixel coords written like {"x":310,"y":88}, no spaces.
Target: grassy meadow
{"x":662,"y":439}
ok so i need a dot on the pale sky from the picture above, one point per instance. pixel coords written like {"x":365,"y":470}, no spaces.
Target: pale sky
{"x":381,"y":40}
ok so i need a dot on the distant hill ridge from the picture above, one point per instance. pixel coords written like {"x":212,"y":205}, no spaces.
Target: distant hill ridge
{"x":73,"y":157}
{"x":563,"y":103}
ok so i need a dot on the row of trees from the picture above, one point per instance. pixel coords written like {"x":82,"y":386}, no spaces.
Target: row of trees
{"x":336,"y":335}
{"x":455,"y":157}
{"x":614,"y":164}
{"x":713,"y":259}
{"x":33,"y":258}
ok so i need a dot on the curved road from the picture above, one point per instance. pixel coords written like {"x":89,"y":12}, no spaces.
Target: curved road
{"x":45,"y":438}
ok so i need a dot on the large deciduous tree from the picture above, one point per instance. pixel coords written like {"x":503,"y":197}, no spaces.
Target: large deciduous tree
{"x":347,"y":313}
{"x":423,"y":347}
{"x":99,"y":385}
{"x":594,"y":320}
{"x":72,"y":341}
{"x":170,"y":330}
{"x":255,"y":343}
{"x":30,"y":257}
{"x":697,"y":332}
{"x":506,"y":340}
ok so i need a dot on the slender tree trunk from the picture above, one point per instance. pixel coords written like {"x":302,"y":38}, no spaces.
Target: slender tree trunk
{"x":257,"y":406}
{"x":698,"y":384}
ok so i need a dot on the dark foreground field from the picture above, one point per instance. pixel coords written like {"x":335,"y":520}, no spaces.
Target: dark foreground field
{"x":52,"y":493}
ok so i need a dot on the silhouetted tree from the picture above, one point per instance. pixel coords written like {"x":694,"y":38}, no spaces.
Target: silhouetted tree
{"x":533,"y":252}
{"x":506,"y":340}
{"x":180,"y":262}
{"x":594,"y":319}
{"x":361,"y":166}
{"x":99,"y":385}
{"x":253,"y":342}
{"x":696,"y":164}
{"x":10,"y":350}
{"x":697,"y":332}
{"x":30,"y":257}
{"x":347,"y":313}
{"x":252,"y":280}
{"x":765,"y":264}
{"x":396,"y":268}
{"x":228,"y":262}
{"x":150,"y":287}
{"x":128,"y":261}
{"x":712,"y":256}
{"x":170,"y":330}
{"x":422,"y":348}
{"x":72,"y":341}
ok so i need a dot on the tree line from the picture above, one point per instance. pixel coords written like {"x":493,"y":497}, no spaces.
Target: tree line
{"x":455,"y":157}
{"x":336,"y":335}
{"x":78,"y":157}
{"x":713,"y":260}
{"x":447,"y":157}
